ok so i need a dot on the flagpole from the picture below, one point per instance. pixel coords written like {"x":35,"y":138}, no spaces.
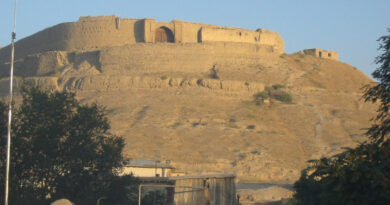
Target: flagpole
{"x":10,"y":109}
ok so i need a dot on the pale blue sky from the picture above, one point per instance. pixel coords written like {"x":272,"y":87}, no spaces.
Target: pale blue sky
{"x":350,"y":27}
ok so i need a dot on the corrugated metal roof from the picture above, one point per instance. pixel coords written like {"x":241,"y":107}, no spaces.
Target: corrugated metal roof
{"x":204,"y":176}
{"x":145,"y":163}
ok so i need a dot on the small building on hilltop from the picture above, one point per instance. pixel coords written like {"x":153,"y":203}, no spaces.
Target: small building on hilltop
{"x":321,"y":53}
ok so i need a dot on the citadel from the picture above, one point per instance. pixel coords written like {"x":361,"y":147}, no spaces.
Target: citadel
{"x":183,"y":92}
{"x":90,"y":33}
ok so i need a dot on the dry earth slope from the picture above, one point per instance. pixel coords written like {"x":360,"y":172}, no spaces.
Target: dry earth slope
{"x":162,"y":100}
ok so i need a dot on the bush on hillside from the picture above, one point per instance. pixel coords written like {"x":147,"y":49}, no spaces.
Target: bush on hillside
{"x":214,"y":73}
{"x":273,"y":92}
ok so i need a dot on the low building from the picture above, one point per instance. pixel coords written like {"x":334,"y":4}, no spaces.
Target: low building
{"x":147,"y":168}
{"x":321,"y":53}
{"x":188,"y":190}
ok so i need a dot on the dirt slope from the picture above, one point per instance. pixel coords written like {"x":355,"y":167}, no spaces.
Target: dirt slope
{"x":162,"y":100}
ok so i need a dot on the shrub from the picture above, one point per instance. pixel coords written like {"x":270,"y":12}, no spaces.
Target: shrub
{"x":278,"y":86}
{"x":281,"y":96}
{"x":273,"y":92}
{"x":251,"y":127}
{"x":214,"y":72}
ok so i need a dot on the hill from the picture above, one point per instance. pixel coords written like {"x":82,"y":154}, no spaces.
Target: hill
{"x":192,"y":102}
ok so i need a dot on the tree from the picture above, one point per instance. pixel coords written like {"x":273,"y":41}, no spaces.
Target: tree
{"x":381,"y":92}
{"x":62,"y":149}
{"x":360,"y":175}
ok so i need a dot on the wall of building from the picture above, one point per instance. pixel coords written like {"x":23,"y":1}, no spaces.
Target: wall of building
{"x":273,"y":39}
{"x":104,"y":31}
{"x":184,"y":57}
{"x":146,"y":172}
{"x":229,"y":35}
{"x":213,"y":191}
{"x":321,"y":53}
{"x":91,"y":32}
{"x":190,"y":32}
{"x":148,"y":58}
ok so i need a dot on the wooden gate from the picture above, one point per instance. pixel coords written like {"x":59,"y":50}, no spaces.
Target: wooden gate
{"x":163,"y":35}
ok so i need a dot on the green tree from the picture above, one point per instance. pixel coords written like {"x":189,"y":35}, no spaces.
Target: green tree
{"x":381,"y":92}
{"x":360,"y":175}
{"x":63,"y":149}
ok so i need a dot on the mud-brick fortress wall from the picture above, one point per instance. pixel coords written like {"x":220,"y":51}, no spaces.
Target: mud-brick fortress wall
{"x":90,"y":33}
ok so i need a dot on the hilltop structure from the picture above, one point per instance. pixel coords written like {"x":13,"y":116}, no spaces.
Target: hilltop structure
{"x":102,"y":31}
{"x":321,"y":53}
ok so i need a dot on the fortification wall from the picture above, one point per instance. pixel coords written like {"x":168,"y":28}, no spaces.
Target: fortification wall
{"x":142,"y":58}
{"x":271,"y":38}
{"x":104,"y":31}
{"x":87,"y":33}
{"x":182,"y":58}
{"x":92,"y":33}
{"x":190,"y":32}
{"x":229,"y":35}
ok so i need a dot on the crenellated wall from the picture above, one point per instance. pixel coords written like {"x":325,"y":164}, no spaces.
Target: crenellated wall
{"x":90,"y":33}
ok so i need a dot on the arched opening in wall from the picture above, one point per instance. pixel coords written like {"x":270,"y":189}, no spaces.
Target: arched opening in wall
{"x":163,"y":35}
{"x":200,"y":35}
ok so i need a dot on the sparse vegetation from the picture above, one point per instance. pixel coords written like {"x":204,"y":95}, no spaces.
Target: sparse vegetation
{"x":214,"y":72}
{"x":273,"y":92}
{"x":195,"y":124}
{"x":301,"y":54}
{"x":251,"y":127}
{"x":317,"y":84}
{"x":232,"y":120}
{"x":176,"y":124}
{"x":164,"y":77}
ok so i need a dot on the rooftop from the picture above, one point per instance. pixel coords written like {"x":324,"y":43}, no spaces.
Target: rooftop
{"x":145,"y":163}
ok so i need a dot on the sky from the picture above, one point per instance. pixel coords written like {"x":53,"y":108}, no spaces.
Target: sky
{"x":350,"y":27}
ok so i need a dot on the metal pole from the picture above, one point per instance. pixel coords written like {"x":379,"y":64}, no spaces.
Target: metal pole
{"x":10,"y":110}
{"x":139,"y":194}
{"x":101,"y":198}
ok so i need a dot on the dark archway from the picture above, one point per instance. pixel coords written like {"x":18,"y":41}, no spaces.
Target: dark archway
{"x":163,"y":35}
{"x":200,"y":35}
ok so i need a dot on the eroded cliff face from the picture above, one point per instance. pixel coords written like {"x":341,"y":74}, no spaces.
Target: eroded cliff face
{"x":167,"y":104}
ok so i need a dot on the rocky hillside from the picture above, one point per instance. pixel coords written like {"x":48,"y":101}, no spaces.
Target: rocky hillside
{"x":193,"y":104}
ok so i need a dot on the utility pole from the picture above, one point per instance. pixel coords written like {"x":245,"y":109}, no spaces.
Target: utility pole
{"x":10,"y":109}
